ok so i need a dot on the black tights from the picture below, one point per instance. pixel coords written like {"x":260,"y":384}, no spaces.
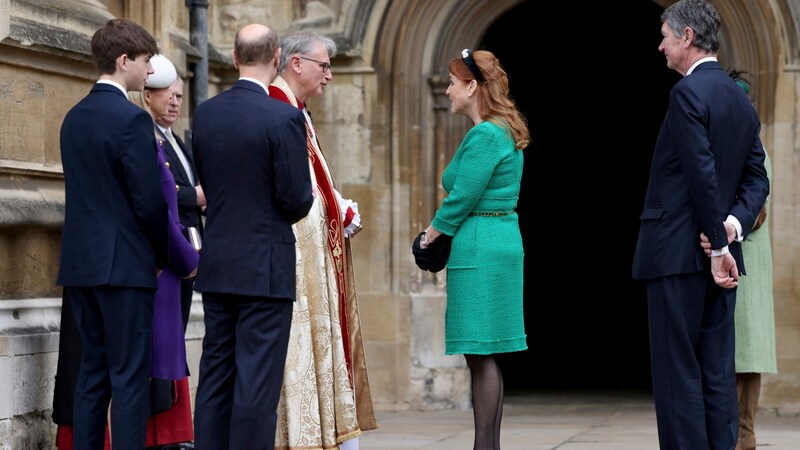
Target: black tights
{"x":487,"y":400}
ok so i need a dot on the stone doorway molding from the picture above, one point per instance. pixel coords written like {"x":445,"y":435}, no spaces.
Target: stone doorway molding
{"x":414,"y":41}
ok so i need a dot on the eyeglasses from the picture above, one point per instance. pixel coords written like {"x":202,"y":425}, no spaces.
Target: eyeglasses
{"x":325,"y":66}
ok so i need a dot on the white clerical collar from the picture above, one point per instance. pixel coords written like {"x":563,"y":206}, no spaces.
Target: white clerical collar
{"x":115,"y":84}
{"x":700,"y":61}
{"x":256,"y":82}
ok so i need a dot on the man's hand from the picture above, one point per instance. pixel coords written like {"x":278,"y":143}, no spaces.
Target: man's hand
{"x":724,"y":271}
{"x":730,"y":230}
{"x":201,"y":196}
{"x":704,"y":242}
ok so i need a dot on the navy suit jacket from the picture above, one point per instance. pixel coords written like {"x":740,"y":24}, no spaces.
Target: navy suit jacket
{"x":252,"y":161}
{"x":115,"y":220}
{"x":708,"y":163}
{"x":187,"y":195}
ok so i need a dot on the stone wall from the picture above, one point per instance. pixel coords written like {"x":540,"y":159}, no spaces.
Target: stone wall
{"x":385,"y":130}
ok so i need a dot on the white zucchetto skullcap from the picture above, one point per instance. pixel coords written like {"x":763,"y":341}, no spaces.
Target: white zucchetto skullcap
{"x":164,"y":75}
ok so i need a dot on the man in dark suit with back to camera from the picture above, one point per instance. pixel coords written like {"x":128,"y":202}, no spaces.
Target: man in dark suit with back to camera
{"x":115,"y":238}
{"x":707,"y":181}
{"x":251,"y":158}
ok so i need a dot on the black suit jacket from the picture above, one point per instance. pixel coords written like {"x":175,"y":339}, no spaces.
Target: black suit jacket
{"x":708,"y":163}
{"x":251,"y":158}
{"x":115,"y":220}
{"x":188,"y":211}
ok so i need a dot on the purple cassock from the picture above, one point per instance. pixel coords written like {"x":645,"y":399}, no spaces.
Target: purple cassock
{"x":169,"y":344}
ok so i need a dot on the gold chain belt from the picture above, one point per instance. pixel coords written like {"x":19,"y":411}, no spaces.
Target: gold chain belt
{"x":490,"y":214}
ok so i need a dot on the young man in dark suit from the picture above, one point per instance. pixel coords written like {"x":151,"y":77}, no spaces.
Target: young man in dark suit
{"x":707,"y":181}
{"x":251,"y":158}
{"x":115,"y":238}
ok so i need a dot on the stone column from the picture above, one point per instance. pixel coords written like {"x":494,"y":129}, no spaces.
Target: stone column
{"x":437,"y":380}
{"x":5,"y":17}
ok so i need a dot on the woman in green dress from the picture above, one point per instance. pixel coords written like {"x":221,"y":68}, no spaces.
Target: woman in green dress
{"x":484,"y":272}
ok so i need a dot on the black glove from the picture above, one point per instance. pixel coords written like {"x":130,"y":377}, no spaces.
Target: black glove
{"x":434,"y":257}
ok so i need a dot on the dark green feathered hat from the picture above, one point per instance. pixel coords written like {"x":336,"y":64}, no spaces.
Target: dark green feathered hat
{"x":738,"y":78}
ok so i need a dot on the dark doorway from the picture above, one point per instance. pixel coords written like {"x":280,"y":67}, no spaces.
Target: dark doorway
{"x":594,"y":110}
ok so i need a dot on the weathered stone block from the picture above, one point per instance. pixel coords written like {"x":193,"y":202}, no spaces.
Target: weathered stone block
{"x":34,"y":431}
{"x":34,"y":381}
{"x":6,"y":389}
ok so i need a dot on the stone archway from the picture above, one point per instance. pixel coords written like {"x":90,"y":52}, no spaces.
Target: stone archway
{"x":414,"y":41}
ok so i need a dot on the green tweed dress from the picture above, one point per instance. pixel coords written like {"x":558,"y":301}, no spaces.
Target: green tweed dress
{"x":484,"y":272}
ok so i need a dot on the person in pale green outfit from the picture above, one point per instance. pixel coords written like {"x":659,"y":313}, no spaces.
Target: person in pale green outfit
{"x":754,"y":318}
{"x":754,"y":324}
{"x":485,"y":269}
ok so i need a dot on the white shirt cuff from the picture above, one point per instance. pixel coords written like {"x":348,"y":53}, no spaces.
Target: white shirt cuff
{"x":735,"y":222}
{"x":719,"y":251}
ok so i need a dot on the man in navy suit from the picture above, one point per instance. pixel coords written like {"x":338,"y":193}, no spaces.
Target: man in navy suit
{"x":115,"y":238}
{"x":251,"y":158}
{"x":707,"y":181}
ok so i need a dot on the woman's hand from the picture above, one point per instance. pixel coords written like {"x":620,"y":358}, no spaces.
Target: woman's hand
{"x":430,"y":235}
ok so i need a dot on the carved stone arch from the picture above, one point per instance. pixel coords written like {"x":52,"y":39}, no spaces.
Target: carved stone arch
{"x":412,"y":44}
{"x":787,"y":14}
{"x":751,"y":35}
{"x":760,"y":38}
{"x":344,"y":21}
{"x":415,"y":41}
{"x":409,"y":48}
{"x":418,"y":38}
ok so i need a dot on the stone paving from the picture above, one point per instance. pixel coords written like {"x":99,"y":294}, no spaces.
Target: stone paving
{"x":555,"y":421}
